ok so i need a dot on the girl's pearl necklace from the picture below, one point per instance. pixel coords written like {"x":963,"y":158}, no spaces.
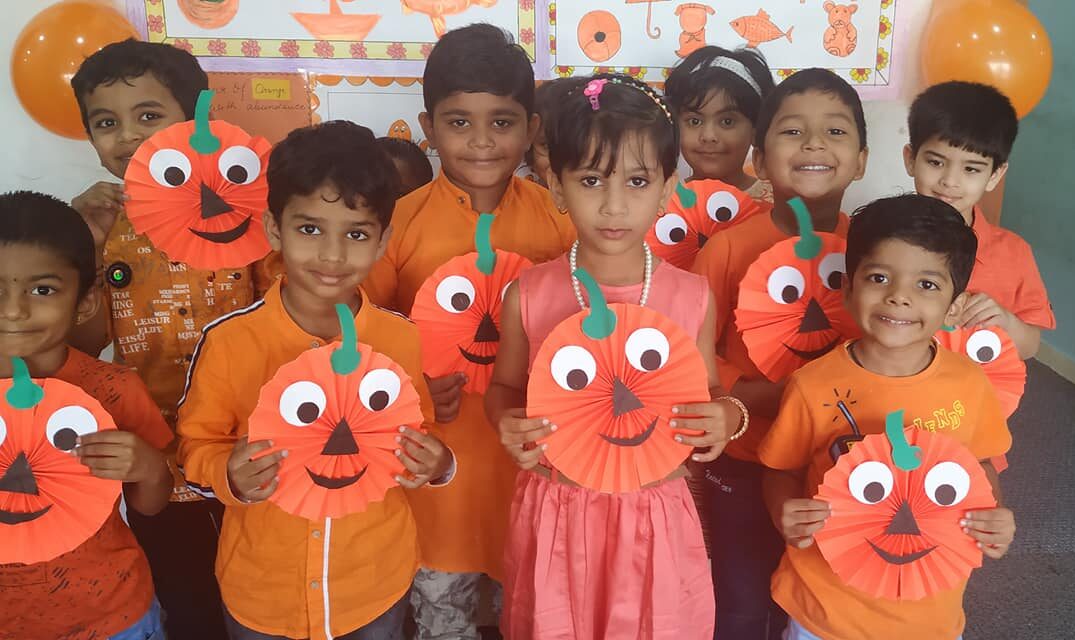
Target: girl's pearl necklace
{"x":647,"y":278}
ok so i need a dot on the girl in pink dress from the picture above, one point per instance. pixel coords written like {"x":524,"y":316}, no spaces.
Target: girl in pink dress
{"x":580,"y":563}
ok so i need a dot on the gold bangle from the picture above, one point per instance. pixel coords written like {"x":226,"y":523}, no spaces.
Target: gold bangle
{"x":744,"y":421}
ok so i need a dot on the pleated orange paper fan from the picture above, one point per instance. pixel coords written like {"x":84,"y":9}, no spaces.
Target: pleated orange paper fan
{"x":790,"y":308}
{"x":608,"y":377}
{"x":337,"y":410}
{"x":897,"y":499}
{"x":994,"y":350}
{"x":198,"y":191}
{"x":49,"y":502}
{"x":457,"y":310}
{"x":697,"y":211}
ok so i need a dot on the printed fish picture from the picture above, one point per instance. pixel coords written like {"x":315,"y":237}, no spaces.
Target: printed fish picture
{"x":759,"y":28}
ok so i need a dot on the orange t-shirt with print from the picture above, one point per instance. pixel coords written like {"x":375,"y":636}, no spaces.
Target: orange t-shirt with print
{"x":102,"y":586}
{"x":951,"y":396}
{"x":281,"y":574}
{"x":462,"y":527}
{"x":724,"y":262}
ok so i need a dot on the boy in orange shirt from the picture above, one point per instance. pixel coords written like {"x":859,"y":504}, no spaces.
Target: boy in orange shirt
{"x":810,"y":142}
{"x":961,"y":135}
{"x":479,"y":97}
{"x":908,"y":261}
{"x":154,"y":309}
{"x":331,"y":193}
{"x":102,"y":588}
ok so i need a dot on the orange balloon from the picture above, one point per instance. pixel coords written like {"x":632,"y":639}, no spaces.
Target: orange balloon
{"x":997,"y":42}
{"x":49,"y":51}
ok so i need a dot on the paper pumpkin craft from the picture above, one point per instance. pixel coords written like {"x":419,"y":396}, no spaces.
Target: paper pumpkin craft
{"x":994,"y":350}
{"x":49,"y":502}
{"x":198,"y":191}
{"x":608,"y":378}
{"x":457,"y":310}
{"x":337,"y":411}
{"x":897,"y":499}
{"x":696,"y":212}
{"x":790,"y":307}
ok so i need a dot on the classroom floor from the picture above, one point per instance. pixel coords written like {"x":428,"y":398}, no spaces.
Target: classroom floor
{"x":1022,"y":596}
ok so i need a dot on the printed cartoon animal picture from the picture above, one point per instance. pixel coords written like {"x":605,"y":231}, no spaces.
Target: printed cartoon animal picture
{"x":337,"y":25}
{"x":841,"y":36}
{"x":400,"y":129}
{"x":209,"y":14}
{"x":693,"y":17}
{"x":437,"y":9}
{"x":759,"y":28}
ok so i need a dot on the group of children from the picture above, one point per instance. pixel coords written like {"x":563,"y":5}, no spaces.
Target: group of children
{"x":193,"y":349}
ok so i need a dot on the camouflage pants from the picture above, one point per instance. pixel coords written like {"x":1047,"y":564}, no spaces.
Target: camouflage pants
{"x":446,"y":604}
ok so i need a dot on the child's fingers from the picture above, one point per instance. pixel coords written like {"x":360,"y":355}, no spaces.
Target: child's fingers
{"x":102,"y":450}
{"x":528,"y":459}
{"x":261,"y":465}
{"x":801,"y":543}
{"x":416,"y":458}
{"x":994,"y":552}
{"x":518,"y":432}
{"x":702,"y":425}
{"x":803,"y":529}
{"x":263,"y":492}
{"x":710,"y":454}
{"x":699,"y":409}
{"x":989,"y":537}
{"x":703,"y":441}
{"x":412,"y":483}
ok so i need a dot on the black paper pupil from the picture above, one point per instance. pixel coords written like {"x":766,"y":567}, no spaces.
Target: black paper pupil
{"x":985,"y":354}
{"x":174,"y":176}
{"x":460,"y":301}
{"x":835,"y":280}
{"x":789,"y":294}
{"x":650,"y":360}
{"x":945,"y":494}
{"x":677,"y":234}
{"x":65,"y":439}
{"x":873,"y":492}
{"x":237,"y":174}
{"x":723,"y":214}
{"x":379,"y":400}
{"x":307,"y":412}
{"x":577,"y":379}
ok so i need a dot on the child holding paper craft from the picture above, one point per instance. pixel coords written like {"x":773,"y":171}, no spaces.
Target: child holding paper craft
{"x":153,"y":308}
{"x":479,"y":98}
{"x":583,"y":563}
{"x":103,"y":586}
{"x":716,"y":95}
{"x":810,"y":142}
{"x":908,"y":262}
{"x":331,"y":193}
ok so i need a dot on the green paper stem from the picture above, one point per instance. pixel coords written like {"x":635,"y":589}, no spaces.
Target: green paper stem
{"x":484,"y":244}
{"x":346,"y":358}
{"x":203,"y":141}
{"x":904,"y":456}
{"x":687,"y":197}
{"x":24,"y":392}
{"x":808,"y":245}
{"x":601,"y":322}
{"x":947,"y":327}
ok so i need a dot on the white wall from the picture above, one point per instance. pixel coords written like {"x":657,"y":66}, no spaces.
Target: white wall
{"x":36,"y":159}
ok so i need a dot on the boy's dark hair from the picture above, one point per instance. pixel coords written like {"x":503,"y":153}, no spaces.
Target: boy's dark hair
{"x":814,"y":79}
{"x":927,"y":223}
{"x":28,"y":217}
{"x":340,"y":153}
{"x":478,"y":58}
{"x":974,"y":117}
{"x":581,"y":136}
{"x":694,"y":78}
{"x":411,"y":155}
{"x":549,"y":95}
{"x":120,"y":61}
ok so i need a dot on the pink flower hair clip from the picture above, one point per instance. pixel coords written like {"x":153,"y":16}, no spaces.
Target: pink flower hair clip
{"x":593,"y":91}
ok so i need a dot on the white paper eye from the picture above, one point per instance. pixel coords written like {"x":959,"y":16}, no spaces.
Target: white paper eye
{"x":786,"y":285}
{"x":983,"y":346}
{"x":870,"y":482}
{"x":646,"y":349}
{"x":722,"y":206}
{"x":831,"y":269}
{"x":302,"y":403}
{"x":239,"y":165}
{"x":68,"y":423}
{"x":504,"y":291}
{"x":170,"y":168}
{"x":379,"y":389}
{"x":670,"y":229}
{"x":947,"y":484}
{"x":455,"y":294}
{"x":573,"y":368}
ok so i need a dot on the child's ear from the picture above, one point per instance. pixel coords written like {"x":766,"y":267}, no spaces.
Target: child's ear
{"x":556,"y":190}
{"x":955,"y":310}
{"x":845,"y":290}
{"x":532,"y":128}
{"x":382,"y":245}
{"x":425,"y":120}
{"x":997,"y":176}
{"x":669,"y":189}
{"x":908,"y":159}
{"x":864,"y":155}
{"x":88,"y":306}
{"x":758,"y":158}
{"x":272,"y":230}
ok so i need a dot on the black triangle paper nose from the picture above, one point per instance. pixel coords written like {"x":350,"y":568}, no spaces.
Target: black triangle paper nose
{"x":212,"y":204}
{"x":702,"y":239}
{"x":903,"y":522}
{"x":341,"y":442}
{"x":487,"y":330}
{"x":815,"y":318}
{"x":19,"y":478}
{"x":623,"y":399}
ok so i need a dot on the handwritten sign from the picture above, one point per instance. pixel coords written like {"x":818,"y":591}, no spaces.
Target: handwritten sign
{"x":264,"y":104}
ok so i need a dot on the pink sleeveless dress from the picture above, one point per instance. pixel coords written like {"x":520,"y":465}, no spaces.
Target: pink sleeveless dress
{"x":580,"y":564}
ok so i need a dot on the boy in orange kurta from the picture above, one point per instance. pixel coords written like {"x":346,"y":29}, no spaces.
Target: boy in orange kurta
{"x":479,"y":95}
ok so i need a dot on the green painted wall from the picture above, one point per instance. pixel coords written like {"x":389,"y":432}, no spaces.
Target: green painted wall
{"x":1039,"y":199}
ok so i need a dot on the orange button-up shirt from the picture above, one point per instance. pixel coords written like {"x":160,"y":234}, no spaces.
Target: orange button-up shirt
{"x":281,"y":574}
{"x":724,"y":261}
